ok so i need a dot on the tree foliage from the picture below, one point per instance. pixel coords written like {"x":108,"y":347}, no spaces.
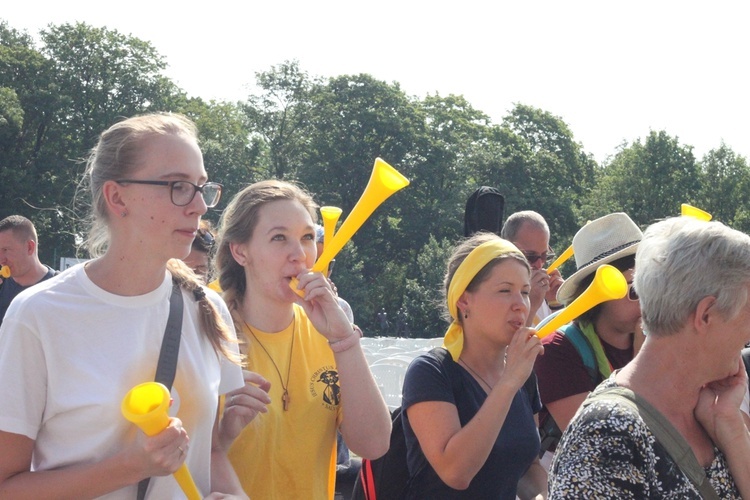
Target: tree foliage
{"x":58,"y":93}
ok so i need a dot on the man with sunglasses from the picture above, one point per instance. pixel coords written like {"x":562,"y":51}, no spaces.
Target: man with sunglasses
{"x":582,"y":354}
{"x":530,"y":233}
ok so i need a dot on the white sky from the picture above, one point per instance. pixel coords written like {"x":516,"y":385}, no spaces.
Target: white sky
{"x":612,"y":71}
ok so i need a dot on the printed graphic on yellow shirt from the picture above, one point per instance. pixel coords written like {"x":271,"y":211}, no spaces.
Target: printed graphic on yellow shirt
{"x":324,"y":384}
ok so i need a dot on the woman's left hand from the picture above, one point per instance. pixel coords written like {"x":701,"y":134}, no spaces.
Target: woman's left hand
{"x":322,"y":306}
{"x":718,"y":407}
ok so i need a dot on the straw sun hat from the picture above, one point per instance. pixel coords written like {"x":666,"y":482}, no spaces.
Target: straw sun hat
{"x":601,"y":241}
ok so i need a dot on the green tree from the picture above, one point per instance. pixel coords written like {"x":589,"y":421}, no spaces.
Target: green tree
{"x":80,"y":81}
{"x":424,"y":294}
{"x":558,"y":172}
{"x":280,"y":117}
{"x":358,"y":118}
{"x":647,"y":180}
{"x":230,"y":154}
{"x":724,"y":187}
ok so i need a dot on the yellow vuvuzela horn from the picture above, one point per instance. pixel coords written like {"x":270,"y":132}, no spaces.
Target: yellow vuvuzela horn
{"x":568,"y":253}
{"x":330,"y":217}
{"x":608,"y":284}
{"x":384,"y":181}
{"x":697,"y":213}
{"x":4,"y":272}
{"x":146,"y":406}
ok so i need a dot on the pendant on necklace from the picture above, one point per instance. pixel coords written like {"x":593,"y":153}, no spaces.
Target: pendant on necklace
{"x":285,"y":400}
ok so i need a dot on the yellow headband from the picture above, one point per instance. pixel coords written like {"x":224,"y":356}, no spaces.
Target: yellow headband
{"x":469,"y":268}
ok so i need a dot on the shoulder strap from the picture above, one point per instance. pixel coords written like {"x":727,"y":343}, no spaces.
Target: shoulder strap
{"x":666,"y":434}
{"x":170,"y":345}
{"x":579,"y":341}
{"x":166,"y":368}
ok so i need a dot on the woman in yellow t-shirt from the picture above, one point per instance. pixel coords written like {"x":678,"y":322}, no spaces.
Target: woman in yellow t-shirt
{"x":313,"y":368}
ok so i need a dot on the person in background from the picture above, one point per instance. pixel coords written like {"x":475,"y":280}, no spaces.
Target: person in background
{"x":530,"y":233}
{"x":19,"y":252}
{"x":693,"y":280}
{"x":602,"y":336}
{"x":73,"y":346}
{"x":469,"y":414}
{"x":305,"y":346}
{"x":484,"y":211}
{"x":201,"y":252}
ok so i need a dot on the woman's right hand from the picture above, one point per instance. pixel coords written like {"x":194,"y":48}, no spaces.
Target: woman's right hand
{"x":520,"y":356}
{"x":161,"y":454}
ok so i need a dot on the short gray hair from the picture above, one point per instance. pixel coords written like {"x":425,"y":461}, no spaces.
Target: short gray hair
{"x":680,"y":262}
{"x":515,"y":221}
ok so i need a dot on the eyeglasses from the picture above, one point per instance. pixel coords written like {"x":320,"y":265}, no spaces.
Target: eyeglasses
{"x":183,"y":192}
{"x":546,"y":258}
{"x":632,"y":294}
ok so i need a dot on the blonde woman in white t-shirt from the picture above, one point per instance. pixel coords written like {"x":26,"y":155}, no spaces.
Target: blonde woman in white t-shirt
{"x":71,"y":349}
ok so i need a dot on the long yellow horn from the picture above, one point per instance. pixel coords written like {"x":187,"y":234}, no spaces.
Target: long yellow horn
{"x":697,"y":213}
{"x":568,"y":253}
{"x":608,"y":284}
{"x":384,"y":181}
{"x":330,"y":217}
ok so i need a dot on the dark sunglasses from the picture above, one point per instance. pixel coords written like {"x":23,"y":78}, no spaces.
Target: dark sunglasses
{"x":205,"y":237}
{"x":546,"y":258}
{"x":632,"y":294}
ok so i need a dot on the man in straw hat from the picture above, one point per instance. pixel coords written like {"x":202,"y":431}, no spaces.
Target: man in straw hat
{"x":585,"y":352}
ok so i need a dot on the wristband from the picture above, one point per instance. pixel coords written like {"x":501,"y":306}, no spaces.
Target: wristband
{"x":341,"y":345}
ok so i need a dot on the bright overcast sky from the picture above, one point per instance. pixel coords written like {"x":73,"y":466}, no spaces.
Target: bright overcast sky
{"x":612,"y":71}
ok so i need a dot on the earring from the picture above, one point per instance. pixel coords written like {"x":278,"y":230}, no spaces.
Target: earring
{"x":466,"y":314}
{"x":123,"y":213}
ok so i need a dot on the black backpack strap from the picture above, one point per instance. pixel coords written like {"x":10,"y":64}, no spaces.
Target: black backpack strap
{"x":166,"y":368}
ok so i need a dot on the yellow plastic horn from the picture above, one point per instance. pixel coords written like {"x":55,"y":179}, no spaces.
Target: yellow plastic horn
{"x":568,"y":253}
{"x":330,"y":217}
{"x":692,"y":211}
{"x":608,"y":284}
{"x":4,"y":272}
{"x":146,"y":405}
{"x":384,"y":181}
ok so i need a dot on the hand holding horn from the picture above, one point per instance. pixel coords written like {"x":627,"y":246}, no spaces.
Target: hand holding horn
{"x":146,"y":405}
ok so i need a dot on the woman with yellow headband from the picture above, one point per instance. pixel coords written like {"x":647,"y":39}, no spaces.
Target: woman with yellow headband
{"x":469,"y":415}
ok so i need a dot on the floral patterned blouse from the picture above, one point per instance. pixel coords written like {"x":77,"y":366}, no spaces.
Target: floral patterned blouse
{"x":609,"y":452}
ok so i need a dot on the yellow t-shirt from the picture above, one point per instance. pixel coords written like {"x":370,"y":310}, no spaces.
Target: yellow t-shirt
{"x":291,"y":454}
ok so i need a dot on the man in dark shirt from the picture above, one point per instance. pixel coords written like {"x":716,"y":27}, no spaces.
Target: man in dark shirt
{"x":18,"y":251}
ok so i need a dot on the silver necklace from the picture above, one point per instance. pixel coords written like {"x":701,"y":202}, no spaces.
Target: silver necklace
{"x":460,"y":360}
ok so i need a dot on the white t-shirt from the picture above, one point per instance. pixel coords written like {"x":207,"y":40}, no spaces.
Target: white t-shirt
{"x":746,"y":403}
{"x":70,"y":351}
{"x":541,"y":313}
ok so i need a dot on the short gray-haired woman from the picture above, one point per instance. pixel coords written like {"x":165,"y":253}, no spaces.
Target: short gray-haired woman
{"x":693,"y":279}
